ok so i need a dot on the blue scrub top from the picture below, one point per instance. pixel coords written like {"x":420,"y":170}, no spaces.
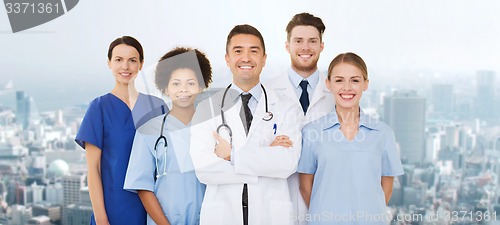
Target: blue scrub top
{"x":179,"y":193}
{"x":347,"y":174}
{"x":109,"y":125}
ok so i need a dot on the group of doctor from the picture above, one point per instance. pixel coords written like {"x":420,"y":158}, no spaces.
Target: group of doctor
{"x":298,"y":150}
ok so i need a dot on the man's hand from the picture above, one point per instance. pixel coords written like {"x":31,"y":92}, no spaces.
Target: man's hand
{"x":222,"y":148}
{"x":283,"y":141}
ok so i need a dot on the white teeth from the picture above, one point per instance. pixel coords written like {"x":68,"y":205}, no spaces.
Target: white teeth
{"x":305,"y":56}
{"x":347,"y":96}
{"x":125,"y":74}
{"x":245,"y":67}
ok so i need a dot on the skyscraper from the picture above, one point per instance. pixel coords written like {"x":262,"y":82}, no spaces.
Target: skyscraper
{"x":26,"y":111}
{"x":485,"y":107}
{"x":442,"y":99}
{"x":79,"y":213}
{"x":71,"y":189}
{"x":404,"y":111}
{"x":22,"y":109}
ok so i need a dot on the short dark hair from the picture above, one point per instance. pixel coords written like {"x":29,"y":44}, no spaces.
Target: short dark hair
{"x":349,"y":58}
{"x":305,"y":19}
{"x":245,"y":29}
{"x":127,"y":40}
{"x":164,"y":72}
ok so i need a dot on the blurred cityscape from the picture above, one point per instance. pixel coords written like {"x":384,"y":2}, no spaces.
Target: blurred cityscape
{"x":448,"y":137}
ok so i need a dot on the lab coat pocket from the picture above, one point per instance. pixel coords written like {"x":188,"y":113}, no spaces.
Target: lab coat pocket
{"x":212,"y":213}
{"x":266,"y":135}
{"x":281,"y":213}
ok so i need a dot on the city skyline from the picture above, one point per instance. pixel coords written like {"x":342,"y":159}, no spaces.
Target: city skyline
{"x":398,"y":40}
{"x":447,"y":52}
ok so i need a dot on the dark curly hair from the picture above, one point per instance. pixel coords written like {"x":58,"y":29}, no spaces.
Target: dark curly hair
{"x":165,"y":69}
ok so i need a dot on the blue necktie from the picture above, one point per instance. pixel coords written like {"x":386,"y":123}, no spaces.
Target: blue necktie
{"x":304,"y":97}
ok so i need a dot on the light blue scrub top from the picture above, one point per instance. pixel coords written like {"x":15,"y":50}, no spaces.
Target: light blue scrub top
{"x":180,"y":193}
{"x":347,"y":174}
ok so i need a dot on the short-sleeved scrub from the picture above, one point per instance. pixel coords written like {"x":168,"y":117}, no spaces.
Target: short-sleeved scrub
{"x":109,"y":125}
{"x":178,"y":191}
{"x":347,"y":174}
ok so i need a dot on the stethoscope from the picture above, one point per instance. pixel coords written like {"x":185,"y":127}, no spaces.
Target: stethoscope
{"x":165,"y":145}
{"x":267,"y":116}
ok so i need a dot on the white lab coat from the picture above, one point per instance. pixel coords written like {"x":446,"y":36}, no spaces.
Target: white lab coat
{"x":322,"y":103}
{"x":265,"y":169}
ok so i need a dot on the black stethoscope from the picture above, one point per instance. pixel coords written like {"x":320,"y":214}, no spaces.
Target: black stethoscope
{"x":267,"y":116}
{"x":165,"y":145}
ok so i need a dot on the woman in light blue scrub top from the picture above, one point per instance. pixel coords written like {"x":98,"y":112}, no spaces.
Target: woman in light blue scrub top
{"x":106,"y":134}
{"x":164,"y":176}
{"x":349,"y":159}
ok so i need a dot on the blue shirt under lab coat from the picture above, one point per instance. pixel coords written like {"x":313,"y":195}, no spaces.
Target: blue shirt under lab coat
{"x":347,"y":174}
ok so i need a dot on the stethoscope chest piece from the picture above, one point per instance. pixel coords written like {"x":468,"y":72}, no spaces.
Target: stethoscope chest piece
{"x":268,"y":116}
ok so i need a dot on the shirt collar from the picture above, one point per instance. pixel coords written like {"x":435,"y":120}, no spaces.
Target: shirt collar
{"x":364,"y":120}
{"x":295,"y":78}
{"x":256,"y":92}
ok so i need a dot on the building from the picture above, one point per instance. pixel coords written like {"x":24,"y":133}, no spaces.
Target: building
{"x":48,"y":209}
{"x":37,"y":192}
{"x":433,"y":143}
{"x":72,"y":184}
{"x":79,"y":213}
{"x":415,"y":195}
{"x":22,"y":109}
{"x":404,"y":111}
{"x":442,"y":99}
{"x":57,"y":169}
{"x":20,"y":215}
{"x":486,"y":108}
{"x":451,"y":136}
{"x":39,"y":220}
{"x":454,"y":155}
{"x":54,"y":193}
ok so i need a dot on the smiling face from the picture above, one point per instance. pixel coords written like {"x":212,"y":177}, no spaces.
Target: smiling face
{"x":183,"y":88}
{"x":304,"y":46}
{"x":245,"y":57}
{"x":124,"y":63}
{"x":347,"y":83}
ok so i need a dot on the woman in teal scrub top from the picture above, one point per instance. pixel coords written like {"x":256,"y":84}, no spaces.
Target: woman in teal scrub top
{"x":107,"y":131}
{"x":349,"y":159}
{"x":163,"y":175}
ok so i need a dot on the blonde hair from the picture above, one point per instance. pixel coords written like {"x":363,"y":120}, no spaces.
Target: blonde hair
{"x":349,"y":58}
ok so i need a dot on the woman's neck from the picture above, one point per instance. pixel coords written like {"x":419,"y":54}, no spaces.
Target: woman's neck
{"x":349,"y":121}
{"x":127,"y":93}
{"x":184,"y":114}
{"x":348,"y":115}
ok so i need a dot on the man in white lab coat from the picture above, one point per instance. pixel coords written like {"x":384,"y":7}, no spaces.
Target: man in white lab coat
{"x":246,"y":164}
{"x":304,"y":84}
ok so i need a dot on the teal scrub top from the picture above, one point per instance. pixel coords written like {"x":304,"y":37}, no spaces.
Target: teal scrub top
{"x":179,"y":192}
